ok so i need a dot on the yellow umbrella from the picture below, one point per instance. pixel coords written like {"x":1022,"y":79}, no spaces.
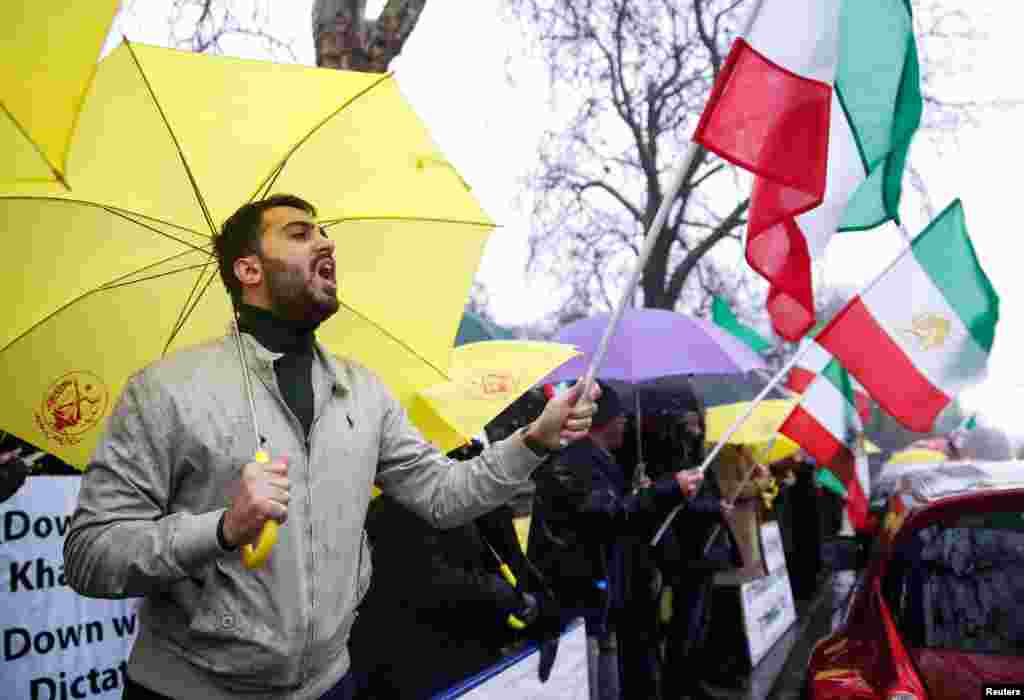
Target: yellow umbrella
{"x":919,"y":455}
{"x":118,"y":273}
{"x":759,"y":430}
{"x":48,"y":53}
{"x":168,"y":145}
{"x":486,"y":378}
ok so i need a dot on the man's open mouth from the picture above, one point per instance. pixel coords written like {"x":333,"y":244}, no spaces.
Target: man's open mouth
{"x":325,"y":269}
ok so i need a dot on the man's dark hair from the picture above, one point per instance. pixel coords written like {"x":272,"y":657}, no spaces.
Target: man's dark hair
{"x":240,"y":235}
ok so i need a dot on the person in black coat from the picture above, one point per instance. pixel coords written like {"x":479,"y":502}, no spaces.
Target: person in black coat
{"x":584,"y":516}
{"x":438,"y":607}
{"x":689,"y":561}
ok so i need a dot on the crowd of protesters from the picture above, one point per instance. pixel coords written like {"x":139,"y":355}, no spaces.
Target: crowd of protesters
{"x":439,"y":608}
{"x":453,"y":591}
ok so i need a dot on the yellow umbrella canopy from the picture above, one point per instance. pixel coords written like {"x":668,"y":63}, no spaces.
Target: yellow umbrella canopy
{"x":48,"y":53}
{"x":918,"y":455}
{"x":758,"y":430}
{"x":486,"y":378}
{"x":112,"y":276}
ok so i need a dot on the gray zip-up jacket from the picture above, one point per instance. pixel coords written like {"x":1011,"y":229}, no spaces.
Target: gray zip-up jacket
{"x":158,"y":482}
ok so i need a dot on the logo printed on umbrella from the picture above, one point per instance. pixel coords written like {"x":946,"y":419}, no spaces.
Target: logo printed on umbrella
{"x":72,"y":405}
{"x":930,"y":330}
{"x":491,"y":385}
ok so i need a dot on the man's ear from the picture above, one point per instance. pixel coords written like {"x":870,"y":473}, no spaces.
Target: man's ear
{"x":249,"y":270}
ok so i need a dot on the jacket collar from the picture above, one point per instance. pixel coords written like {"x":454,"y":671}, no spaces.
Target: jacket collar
{"x":275,"y":333}
{"x":260,"y":360}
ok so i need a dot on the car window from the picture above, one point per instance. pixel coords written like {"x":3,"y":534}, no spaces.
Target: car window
{"x":960,"y":586}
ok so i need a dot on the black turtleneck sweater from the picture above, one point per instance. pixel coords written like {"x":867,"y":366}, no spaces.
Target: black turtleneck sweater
{"x":294,"y":369}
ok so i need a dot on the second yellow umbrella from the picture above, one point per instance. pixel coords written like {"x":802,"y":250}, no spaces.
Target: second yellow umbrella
{"x":918,"y":455}
{"x":486,"y":378}
{"x":759,"y":429}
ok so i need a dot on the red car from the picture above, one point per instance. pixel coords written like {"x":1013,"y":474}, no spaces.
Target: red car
{"x":938,"y":610}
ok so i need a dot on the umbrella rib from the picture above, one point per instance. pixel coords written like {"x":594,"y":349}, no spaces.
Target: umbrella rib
{"x":268,"y":183}
{"x":264,"y":190}
{"x":53,"y":169}
{"x":192,"y":299}
{"x":148,"y":278}
{"x":114,"y":284}
{"x":401,"y":342}
{"x":130,"y":216}
{"x":124,"y":213}
{"x":187,"y":311}
{"x":174,"y":138}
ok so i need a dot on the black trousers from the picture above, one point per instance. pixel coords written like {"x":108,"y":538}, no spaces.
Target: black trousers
{"x":687,"y":635}
{"x":344,"y":690}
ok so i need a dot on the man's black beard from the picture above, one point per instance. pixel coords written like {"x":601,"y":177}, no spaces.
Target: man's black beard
{"x":290,"y":297}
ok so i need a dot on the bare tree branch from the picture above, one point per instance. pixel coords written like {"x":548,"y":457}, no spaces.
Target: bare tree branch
{"x":682,"y":270}
{"x":202,"y":26}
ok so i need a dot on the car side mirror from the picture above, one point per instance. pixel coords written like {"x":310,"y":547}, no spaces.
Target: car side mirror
{"x":845,"y":553}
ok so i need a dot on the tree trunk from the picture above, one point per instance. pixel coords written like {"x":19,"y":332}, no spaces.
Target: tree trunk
{"x":346,"y":40}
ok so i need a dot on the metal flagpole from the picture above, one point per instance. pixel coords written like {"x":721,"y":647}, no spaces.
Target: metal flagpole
{"x":771,"y":385}
{"x":746,"y":477}
{"x":652,"y":236}
{"x":798,"y":398}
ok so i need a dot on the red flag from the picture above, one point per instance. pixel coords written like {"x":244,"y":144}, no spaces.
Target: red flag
{"x":774,"y":123}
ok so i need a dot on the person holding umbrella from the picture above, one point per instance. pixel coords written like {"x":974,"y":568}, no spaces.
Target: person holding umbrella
{"x":173,"y":489}
{"x":585,"y":517}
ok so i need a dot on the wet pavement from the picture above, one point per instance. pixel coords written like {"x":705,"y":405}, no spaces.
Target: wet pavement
{"x":780,"y":674}
{"x":824,"y":616}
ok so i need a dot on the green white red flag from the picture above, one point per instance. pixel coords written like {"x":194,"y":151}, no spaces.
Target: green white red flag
{"x":827,"y":425}
{"x":820,"y":101}
{"x":812,"y":362}
{"x":923,"y":331}
{"x":725,"y":319}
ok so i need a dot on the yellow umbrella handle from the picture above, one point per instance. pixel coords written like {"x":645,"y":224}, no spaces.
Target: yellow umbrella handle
{"x":506,"y":573}
{"x":255,"y":557}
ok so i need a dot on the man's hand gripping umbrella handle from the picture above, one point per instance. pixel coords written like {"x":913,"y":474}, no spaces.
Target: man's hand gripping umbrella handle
{"x":255,"y":557}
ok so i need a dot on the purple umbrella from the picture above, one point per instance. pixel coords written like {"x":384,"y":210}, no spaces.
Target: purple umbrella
{"x":652,"y":343}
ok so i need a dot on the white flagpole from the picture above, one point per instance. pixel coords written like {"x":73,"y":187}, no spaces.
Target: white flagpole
{"x":763,"y":454}
{"x":764,"y":392}
{"x":652,"y":236}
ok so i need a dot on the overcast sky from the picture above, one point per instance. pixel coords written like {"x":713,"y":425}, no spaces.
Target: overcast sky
{"x":453,"y":70}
